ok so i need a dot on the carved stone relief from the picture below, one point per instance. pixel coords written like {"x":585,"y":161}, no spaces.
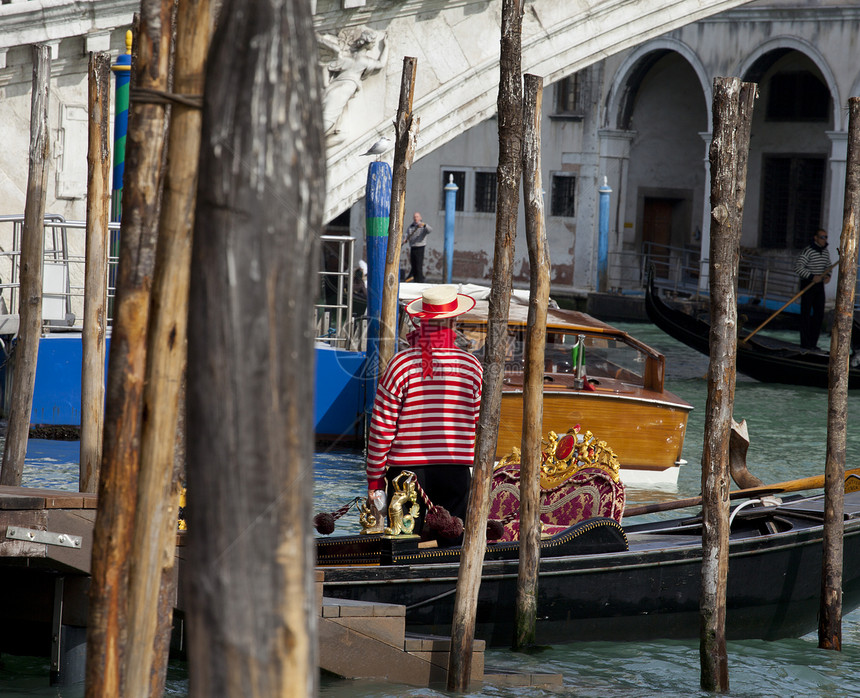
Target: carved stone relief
{"x":353,"y":55}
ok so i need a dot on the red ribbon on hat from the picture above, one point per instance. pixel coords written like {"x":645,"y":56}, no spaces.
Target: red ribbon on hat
{"x":439,"y":307}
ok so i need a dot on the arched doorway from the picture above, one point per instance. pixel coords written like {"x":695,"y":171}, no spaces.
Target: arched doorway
{"x":666,"y":110}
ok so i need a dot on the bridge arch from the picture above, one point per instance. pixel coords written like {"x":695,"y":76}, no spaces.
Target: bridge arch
{"x":628,"y":78}
{"x":759,"y":61}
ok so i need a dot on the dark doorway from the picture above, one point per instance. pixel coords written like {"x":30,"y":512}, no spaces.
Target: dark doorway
{"x":657,"y":217}
{"x":792,"y":199}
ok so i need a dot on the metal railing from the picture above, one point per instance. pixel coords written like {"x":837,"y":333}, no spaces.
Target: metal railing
{"x":63,"y":278}
{"x":334,"y":306}
{"x":63,"y":264}
{"x":768,"y":281}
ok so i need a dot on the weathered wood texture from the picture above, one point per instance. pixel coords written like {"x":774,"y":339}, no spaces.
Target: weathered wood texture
{"x":30,"y":289}
{"x":732,"y":114}
{"x":252,"y":623}
{"x":95,"y":274}
{"x":739,"y":443}
{"x":830,"y":615}
{"x":405,"y":128}
{"x":539,"y":267}
{"x":507,"y":200}
{"x":117,"y":489}
{"x":154,"y":537}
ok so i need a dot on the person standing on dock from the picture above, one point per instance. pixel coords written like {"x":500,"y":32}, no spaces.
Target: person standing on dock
{"x":416,"y":233}
{"x":813,"y":267}
{"x":426,"y":409}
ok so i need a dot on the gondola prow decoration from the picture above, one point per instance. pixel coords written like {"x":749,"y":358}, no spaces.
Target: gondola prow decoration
{"x":403,"y":509}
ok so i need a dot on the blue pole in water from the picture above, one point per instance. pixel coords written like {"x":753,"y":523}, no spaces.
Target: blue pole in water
{"x":603,"y":237}
{"x":377,"y":203}
{"x":450,"y":213}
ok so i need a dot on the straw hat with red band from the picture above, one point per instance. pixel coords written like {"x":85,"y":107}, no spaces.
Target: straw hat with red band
{"x":438,"y":302}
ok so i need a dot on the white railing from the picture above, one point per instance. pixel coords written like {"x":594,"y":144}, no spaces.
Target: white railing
{"x":63,"y":277}
{"x":62,"y":270}
{"x":334,"y":306}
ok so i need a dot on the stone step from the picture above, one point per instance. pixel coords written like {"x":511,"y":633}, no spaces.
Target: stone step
{"x":419,"y":661}
{"x":384,"y":622}
{"x":364,"y":640}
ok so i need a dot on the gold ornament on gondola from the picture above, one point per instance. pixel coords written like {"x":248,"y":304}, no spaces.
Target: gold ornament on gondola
{"x":403,"y":509}
{"x":401,"y":520}
{"x":567,"y":454}
{"x":371,"y":518}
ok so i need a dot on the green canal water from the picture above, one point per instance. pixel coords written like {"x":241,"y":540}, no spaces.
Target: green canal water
{"x":787,"y":428}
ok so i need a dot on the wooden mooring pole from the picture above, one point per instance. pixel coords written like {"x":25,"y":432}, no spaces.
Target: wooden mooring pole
{"x":154,"y":541}
{"x":405,"y":129}
{"x":732,"y":118}
{"x":93,"y":347}
{"x":830,"y":614}
{"x":112,"y":534}
{"x":251,"y":602}
{"x":507,"y":200}
{"x":539,"y":267}
{"x":30,"y":288}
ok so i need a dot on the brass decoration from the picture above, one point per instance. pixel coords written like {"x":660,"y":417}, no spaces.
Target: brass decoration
{"x":372,"y":520}
{"x":565,"y":455}
{"x":513,"y":457}
{"x":401,"y":520}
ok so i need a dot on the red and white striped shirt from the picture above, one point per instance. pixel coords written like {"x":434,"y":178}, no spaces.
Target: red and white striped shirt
{"x":420,"y":420}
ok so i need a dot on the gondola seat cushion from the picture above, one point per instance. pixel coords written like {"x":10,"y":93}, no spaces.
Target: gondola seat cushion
{"x":589,"y":493}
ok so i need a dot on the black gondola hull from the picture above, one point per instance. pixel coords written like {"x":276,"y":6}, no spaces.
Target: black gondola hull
{"x":765,"y":359}
{"x":650,"y":591}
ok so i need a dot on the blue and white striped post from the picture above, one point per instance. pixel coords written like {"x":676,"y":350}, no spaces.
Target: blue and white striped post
{"x":377,"y":208}
{"x":450,"y":214}
{"x":603,"y":237}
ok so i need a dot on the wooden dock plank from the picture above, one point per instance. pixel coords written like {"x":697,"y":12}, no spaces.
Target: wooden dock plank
{"x":36,"y":519}
{"x":38,"y":498}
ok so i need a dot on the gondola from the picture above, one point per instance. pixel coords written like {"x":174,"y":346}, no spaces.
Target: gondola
{"x":600,"y":580}
{"x":601,"y":577}
{"x":764,"y":358}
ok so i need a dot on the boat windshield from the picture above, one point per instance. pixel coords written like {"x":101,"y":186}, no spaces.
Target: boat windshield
{"x":605,"y":356}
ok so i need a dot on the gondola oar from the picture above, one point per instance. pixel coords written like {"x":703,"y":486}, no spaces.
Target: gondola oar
{"x":806,"y":483}
{"x":787,"y":303}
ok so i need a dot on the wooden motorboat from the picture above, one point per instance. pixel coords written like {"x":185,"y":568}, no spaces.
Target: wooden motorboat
{"x":600,"y":580}
{"x":764,"y":358}
{"x":619,"y":392}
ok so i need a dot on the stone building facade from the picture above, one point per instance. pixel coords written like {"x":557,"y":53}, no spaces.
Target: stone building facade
{"x":641,"y":118}
{"x":628,"y":101}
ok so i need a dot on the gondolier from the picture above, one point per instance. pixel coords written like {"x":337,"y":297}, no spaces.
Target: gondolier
{"x":426,"y":408}
{"x":813,"y":267}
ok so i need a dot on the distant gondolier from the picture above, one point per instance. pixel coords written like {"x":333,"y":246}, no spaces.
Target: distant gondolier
{"x":416,"y":233}
{"x":813,"y":267}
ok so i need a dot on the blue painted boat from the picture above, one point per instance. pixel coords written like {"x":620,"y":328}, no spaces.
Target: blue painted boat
{"x":339,"y":388}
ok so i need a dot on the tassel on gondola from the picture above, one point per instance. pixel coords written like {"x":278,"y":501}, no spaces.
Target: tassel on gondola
{"x":438,"y":520}
{"x":324,"y":521}
{"x":495,"y":529}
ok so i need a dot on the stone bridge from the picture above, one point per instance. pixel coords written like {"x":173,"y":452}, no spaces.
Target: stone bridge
{"x":456,"y":43}
{"x":362,"y":46}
